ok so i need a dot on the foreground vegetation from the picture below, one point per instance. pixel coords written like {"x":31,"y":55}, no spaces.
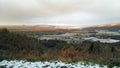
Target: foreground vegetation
{"x":22,"y":47}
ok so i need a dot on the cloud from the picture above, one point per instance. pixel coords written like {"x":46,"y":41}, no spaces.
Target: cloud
{"x":65,"y":12}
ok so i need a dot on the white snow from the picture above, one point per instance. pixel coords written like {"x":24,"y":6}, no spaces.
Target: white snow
{"x":59,"y":37}
{"x":46,"y":64}
{"x":102,"y":40}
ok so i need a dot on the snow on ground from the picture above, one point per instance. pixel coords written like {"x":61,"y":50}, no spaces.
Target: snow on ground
{"x":102,"y":40}
{"x":46,"y":64}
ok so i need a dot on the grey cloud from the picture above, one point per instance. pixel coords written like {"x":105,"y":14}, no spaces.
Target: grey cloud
{"x":60,"y":11}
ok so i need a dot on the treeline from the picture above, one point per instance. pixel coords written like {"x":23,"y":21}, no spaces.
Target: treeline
{"x":17,"y":46}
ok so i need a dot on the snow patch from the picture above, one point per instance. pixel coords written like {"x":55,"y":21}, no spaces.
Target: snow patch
{"x":46,"y":64}
{"x":102,"y":40}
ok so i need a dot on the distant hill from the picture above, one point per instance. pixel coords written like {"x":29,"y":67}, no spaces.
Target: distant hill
{"x":36,"y":28}
{"x":29,"y":28}
{"x":110,"y":27}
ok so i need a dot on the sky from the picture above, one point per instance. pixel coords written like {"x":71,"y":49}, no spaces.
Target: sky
{"x":59,"y":12}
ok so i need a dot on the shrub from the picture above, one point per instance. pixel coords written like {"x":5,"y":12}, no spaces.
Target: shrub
{"x":69,"y":52}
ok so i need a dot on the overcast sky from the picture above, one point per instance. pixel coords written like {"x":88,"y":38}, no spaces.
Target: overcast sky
{"x":59,"y":12}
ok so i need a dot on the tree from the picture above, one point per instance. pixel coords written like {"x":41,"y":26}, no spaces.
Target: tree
{"x":69,"y":52}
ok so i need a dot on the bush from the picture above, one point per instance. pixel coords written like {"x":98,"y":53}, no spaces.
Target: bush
{"x":69,"y":52}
